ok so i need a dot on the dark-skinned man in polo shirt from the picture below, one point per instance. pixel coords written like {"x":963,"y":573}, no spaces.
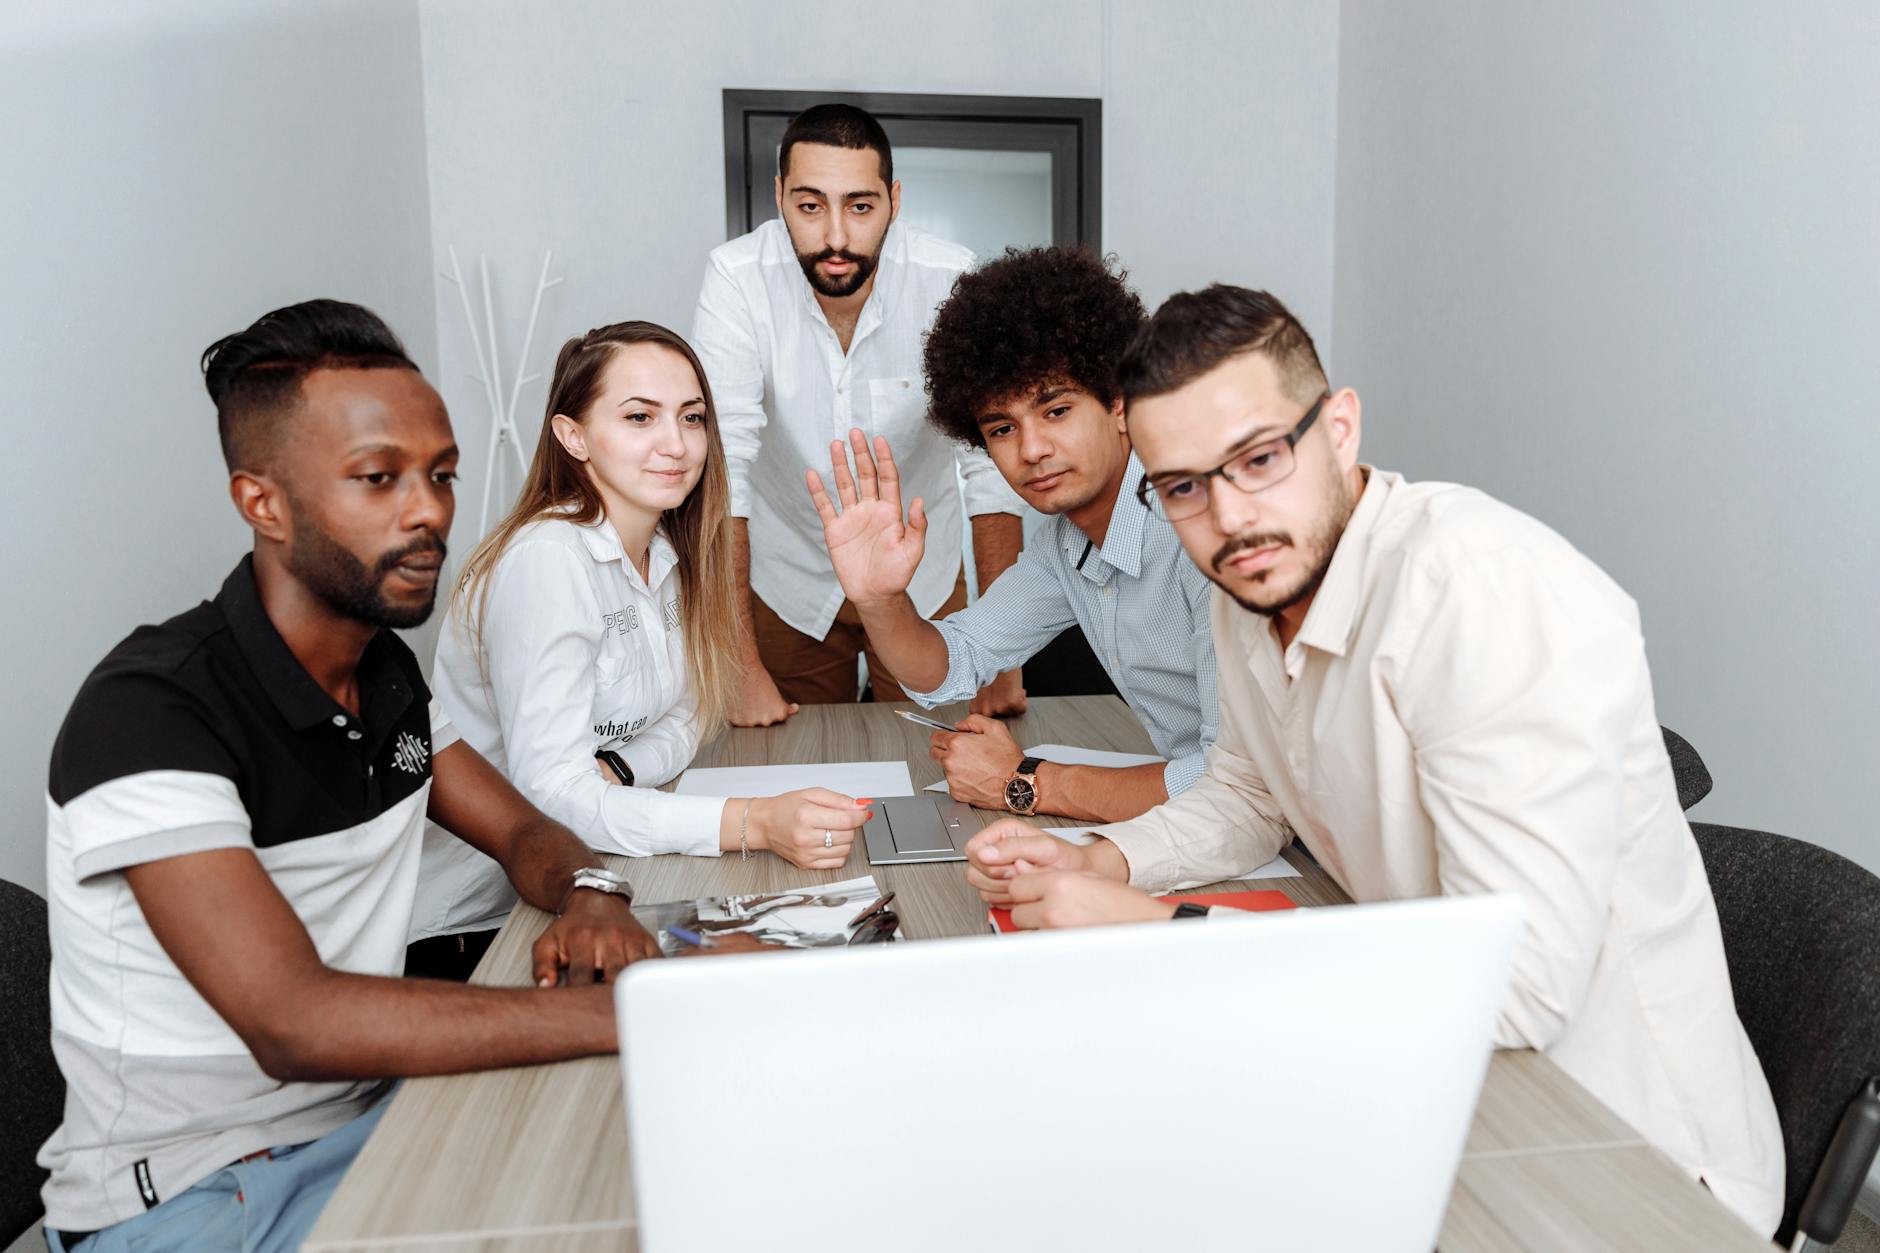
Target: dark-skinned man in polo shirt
{"x":235,"y":810}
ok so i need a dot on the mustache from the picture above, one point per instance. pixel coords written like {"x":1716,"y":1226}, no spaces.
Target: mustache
{"x":430,"y":542}
{"x":1241,"y":543}
{"x":838,"y":254}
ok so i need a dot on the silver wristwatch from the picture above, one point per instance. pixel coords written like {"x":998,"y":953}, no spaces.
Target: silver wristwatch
{"x":601,"y":881}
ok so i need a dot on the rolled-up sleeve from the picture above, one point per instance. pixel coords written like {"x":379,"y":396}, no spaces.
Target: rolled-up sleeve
{"x":1019,"y":614}
{"x":726,"y":343}
{"x":541,"y":635}
{"x":984,"y":488}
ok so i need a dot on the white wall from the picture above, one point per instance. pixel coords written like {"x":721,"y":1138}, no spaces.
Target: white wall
{"x":168,"y":174}
{"x":1220,"y":129}
{"x":1617,"y":264}
{"x":597,"y":128}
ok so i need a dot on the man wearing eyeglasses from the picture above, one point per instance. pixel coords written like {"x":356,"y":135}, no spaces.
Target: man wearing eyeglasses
{"x":1021,"y":362}
{"x":1435,"y":694}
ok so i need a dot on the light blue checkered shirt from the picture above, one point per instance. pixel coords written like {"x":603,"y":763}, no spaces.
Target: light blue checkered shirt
{"x":1142,"y":605}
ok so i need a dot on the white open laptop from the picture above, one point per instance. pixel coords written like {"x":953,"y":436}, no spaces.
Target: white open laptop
{"x":1291,"y":1081}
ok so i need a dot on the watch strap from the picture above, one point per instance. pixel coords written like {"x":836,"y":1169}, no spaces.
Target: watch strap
{"x":598,"y":880}
{"x":616,"y":763}
{"x":1188,"y":909}
{"x":1029,"y":765}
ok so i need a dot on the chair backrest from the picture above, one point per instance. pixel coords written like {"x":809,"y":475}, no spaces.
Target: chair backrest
{"x":32,"y":1092}
{"x":1687,"y":768}
{"x":1801,"y":930}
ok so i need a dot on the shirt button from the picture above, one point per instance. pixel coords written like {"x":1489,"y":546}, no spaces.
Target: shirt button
{"x":355,"y":735}
{"x":339,"y":720}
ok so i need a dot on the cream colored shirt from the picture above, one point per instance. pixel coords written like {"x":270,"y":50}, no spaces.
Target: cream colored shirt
{"x":1467,"y":708}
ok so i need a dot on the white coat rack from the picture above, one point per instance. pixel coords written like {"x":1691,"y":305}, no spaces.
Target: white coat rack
{"x":489,"y":368}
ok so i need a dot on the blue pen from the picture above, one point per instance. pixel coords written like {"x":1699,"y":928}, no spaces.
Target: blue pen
{"x":692,"y":938}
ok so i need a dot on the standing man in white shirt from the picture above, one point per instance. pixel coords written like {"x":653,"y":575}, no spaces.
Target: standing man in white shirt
{"x":1436,"y":694}
{"x":809,"y":326}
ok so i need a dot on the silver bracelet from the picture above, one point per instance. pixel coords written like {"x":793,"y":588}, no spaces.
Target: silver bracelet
{"x":744,"y":848}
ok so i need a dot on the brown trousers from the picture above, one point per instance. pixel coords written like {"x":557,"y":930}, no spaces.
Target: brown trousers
{"x":813,"y":671}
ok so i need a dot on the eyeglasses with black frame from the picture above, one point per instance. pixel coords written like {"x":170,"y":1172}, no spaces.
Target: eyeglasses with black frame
{"x":1266,"y":464}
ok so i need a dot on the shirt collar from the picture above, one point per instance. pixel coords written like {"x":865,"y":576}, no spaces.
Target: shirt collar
{"x":1122,"y":543}
{"x":302,"y":702}
{"x":1122,"y":539}
{"x":603,"y":544}
{"x":1334,"y":614}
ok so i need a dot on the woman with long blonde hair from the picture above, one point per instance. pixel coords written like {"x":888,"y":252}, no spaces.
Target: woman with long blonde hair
{"x":592,"y":641}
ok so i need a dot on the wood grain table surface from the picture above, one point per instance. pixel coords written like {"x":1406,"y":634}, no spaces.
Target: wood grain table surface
{"x":534,"y":1160}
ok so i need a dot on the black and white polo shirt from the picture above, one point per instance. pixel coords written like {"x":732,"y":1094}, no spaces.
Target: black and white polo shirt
{"x":203,"y":733}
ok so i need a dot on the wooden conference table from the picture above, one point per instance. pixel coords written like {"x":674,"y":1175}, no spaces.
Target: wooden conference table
{"x":534,"y":1160}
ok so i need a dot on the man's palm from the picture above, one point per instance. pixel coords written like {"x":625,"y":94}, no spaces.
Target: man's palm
{"x":874,"y":552}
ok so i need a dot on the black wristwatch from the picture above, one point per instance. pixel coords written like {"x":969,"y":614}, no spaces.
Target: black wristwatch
{"x":1188,"y":909}
{"x":616,"y":763}
{"x":1021,"y":790}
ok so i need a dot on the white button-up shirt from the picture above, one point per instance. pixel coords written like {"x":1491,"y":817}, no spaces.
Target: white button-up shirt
{"x":783,"y":389}
{"x":578,"y":653}
{"x":1467,"y":708}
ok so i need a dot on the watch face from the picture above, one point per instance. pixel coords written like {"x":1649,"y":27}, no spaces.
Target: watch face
{"x":1020,"y":796}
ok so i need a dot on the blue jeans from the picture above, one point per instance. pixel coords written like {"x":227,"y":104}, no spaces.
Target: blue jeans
{"x":267,"y":1205}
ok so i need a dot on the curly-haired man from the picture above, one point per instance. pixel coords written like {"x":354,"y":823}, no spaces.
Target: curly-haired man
{"x":1021,"y":362}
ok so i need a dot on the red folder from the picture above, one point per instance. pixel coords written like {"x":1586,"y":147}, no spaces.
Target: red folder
{"x":1001,"y":919}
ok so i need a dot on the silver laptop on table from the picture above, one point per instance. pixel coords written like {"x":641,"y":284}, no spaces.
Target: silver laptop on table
{"x":919,"y":828}
{"x":1301,"y":1080}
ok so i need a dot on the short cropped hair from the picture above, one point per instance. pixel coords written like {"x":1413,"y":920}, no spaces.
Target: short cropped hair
{"x":254,"y":376}
{"x":1029,"y":319}
{"x":837,"y":126}
{"x":1195,"y":331}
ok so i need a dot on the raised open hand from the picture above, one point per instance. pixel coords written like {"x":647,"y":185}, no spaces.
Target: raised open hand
{"x":873,"y":550}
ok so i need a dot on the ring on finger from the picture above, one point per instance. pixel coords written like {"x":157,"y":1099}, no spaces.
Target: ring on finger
{"x":829,"y":839}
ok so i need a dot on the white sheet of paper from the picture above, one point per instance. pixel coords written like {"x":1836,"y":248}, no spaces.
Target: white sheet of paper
{"x":873,"y":779}
{"x":1278,"y":868}
{"x":1071,"y":755}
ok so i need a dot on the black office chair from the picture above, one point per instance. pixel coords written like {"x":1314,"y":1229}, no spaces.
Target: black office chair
{"x":32,"y":1092}
{"x":1801,"y":930}
{"x":1687,"y":768}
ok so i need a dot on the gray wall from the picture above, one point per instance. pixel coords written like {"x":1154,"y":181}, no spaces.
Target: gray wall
{"x":167,"y":174}
{"x":1618,"y":265}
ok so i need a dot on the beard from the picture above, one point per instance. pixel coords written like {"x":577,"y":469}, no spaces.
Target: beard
{"x":1317,"y":551}
{"x":848,"y":284}
{"x":332,"y":572}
